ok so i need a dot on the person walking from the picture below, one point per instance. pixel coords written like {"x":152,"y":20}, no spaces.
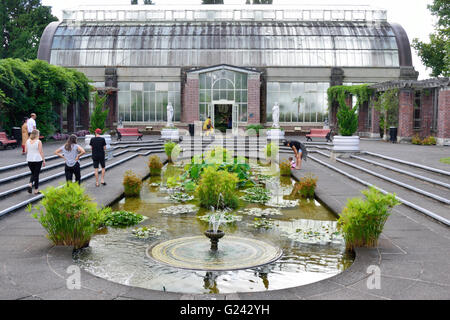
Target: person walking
{"x":35,"y":159}
{"x":299,"y":151}
{"x":98,"y":145}
{"x":31,"y":123}
{"x":24,"y":134}
{"x":71,"y":153}
{"x":208,"y":127}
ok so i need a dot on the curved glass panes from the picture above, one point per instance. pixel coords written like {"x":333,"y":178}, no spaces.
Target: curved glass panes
{"x":311,"y":108}
{"x":225,"y":86}
{"x":147,"y":101}
{"x":241,"y":44}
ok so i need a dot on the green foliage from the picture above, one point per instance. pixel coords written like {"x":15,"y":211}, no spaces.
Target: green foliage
{"x":271,"y":149}
{"x":255,"y":127}
{"x":189,"y":186}
{"x":347,"y":116}
{"x":132,"y":184}
{"x":362,"y":221}
{"x":217,"y":189}
{"x":22,"y":23}
{"x":256,"y":195}
{"x":263,"y":223}
{"x":306,"y":186}
{"x":428,"y":141}
{"x":99,"y":114}
{"x":285,"y":168}
{"x":36,"y":86}
{"x":387,"y":104}
{"x":436,"y":53}
{"x":155,"y":165}
{"x":172,"y":150}
{"x":69,"y":215}
{"x":122,"y":219}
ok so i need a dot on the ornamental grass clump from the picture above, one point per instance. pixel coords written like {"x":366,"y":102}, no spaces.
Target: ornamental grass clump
{"x":172,"y":150}
{"x":155,"y":165}
{"x":285,"y":168}
{"x":362,"y":221}
{"x":217,"y":189}
{"x":306,"y":186}
{"x":69,"y":215}
{"x":132,"y":184}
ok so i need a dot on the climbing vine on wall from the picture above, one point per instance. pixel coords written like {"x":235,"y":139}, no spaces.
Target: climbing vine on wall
{"x":347,"y":115}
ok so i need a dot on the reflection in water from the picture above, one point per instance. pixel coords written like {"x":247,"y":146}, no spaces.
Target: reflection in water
{"x":120,"y":257}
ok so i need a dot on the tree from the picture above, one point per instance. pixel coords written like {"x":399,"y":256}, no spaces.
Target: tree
{"x":387,"y":105}
{"x":436,"y":53}
{"x":100,"y":113}
{"x":22,"y":23}
{"x":134,"y":1}
{"x":212,"y":1}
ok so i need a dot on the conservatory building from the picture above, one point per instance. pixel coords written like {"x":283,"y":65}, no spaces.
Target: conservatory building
{"x":232,"y":63}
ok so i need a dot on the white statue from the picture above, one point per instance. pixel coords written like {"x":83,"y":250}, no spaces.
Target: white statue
{"x":276,"y":115}
{"x":169,"y":115}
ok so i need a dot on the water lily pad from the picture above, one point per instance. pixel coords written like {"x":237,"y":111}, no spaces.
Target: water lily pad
{"x":258,"y":212}
{"x":180,"y":209}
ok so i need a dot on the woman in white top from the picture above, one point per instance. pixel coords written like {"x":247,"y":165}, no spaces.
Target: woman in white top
{"x":35,"y":159}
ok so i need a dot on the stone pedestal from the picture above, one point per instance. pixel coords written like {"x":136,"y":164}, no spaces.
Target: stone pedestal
{"x":170,"y":134}
{"x":344,"y":146}
{"x":275,"y":134}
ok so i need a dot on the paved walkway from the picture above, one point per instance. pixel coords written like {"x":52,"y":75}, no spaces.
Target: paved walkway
{"x":413,"y":253}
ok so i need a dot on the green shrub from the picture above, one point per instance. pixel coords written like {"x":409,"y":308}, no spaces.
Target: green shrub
{"x":213,"y":156}
{"x":306,"y":186}
{"x":172,"y":150}
{"x":255,"y":127}
{"x":285,"y":168}
{"x":99,"y":115}
{"x":132,"y":184}
{"x":121,"y":219}
{"x":428,"y":141}
{"x":362,"y":221}
{"x":217,"y":189}
{"x":416,"y":139}
{"x":69,"y":215}
{"x":155,"y":165}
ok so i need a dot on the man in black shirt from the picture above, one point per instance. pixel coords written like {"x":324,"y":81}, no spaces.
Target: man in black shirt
{"x":98,"y":145}
{"x":299,"y":151}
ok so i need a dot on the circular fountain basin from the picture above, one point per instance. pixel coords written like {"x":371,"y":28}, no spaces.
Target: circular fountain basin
{"x":235,"y":253}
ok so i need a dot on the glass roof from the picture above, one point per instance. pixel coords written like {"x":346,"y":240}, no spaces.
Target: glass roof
{"x":142,"y":13}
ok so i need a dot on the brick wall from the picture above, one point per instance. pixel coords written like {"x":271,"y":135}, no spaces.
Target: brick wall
{"x":375,"y":129}
{"x":254,"y":96}
{"x":444,"y":114}
{"x":190,"y":101}
{"x":405,"y":113}
{"x":426,"y":113}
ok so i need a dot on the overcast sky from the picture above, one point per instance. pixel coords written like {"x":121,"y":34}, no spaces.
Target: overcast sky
{"x":413,"y":15}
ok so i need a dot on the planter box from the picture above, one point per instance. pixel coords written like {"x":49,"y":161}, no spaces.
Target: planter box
{"x":275,"y":134}
{"x":87,"y":147}
{"x":345,"y":146}
{"x":170,"y":134}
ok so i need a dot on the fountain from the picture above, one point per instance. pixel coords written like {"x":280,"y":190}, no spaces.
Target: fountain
{"x":215,"y":234}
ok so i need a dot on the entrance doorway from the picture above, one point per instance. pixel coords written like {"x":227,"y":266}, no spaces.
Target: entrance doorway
{"x":223,"y":117}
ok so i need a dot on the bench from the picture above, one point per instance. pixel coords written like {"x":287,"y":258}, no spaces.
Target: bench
{"x":5,"y":142}
{"x":319,"y":133}
{"x":128,"y":132}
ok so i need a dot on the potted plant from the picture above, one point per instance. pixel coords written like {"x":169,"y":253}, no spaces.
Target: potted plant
{"x":347,"y":116}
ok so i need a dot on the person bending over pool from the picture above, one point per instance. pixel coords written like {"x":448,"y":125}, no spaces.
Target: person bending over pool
{"x":299,"y":152}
